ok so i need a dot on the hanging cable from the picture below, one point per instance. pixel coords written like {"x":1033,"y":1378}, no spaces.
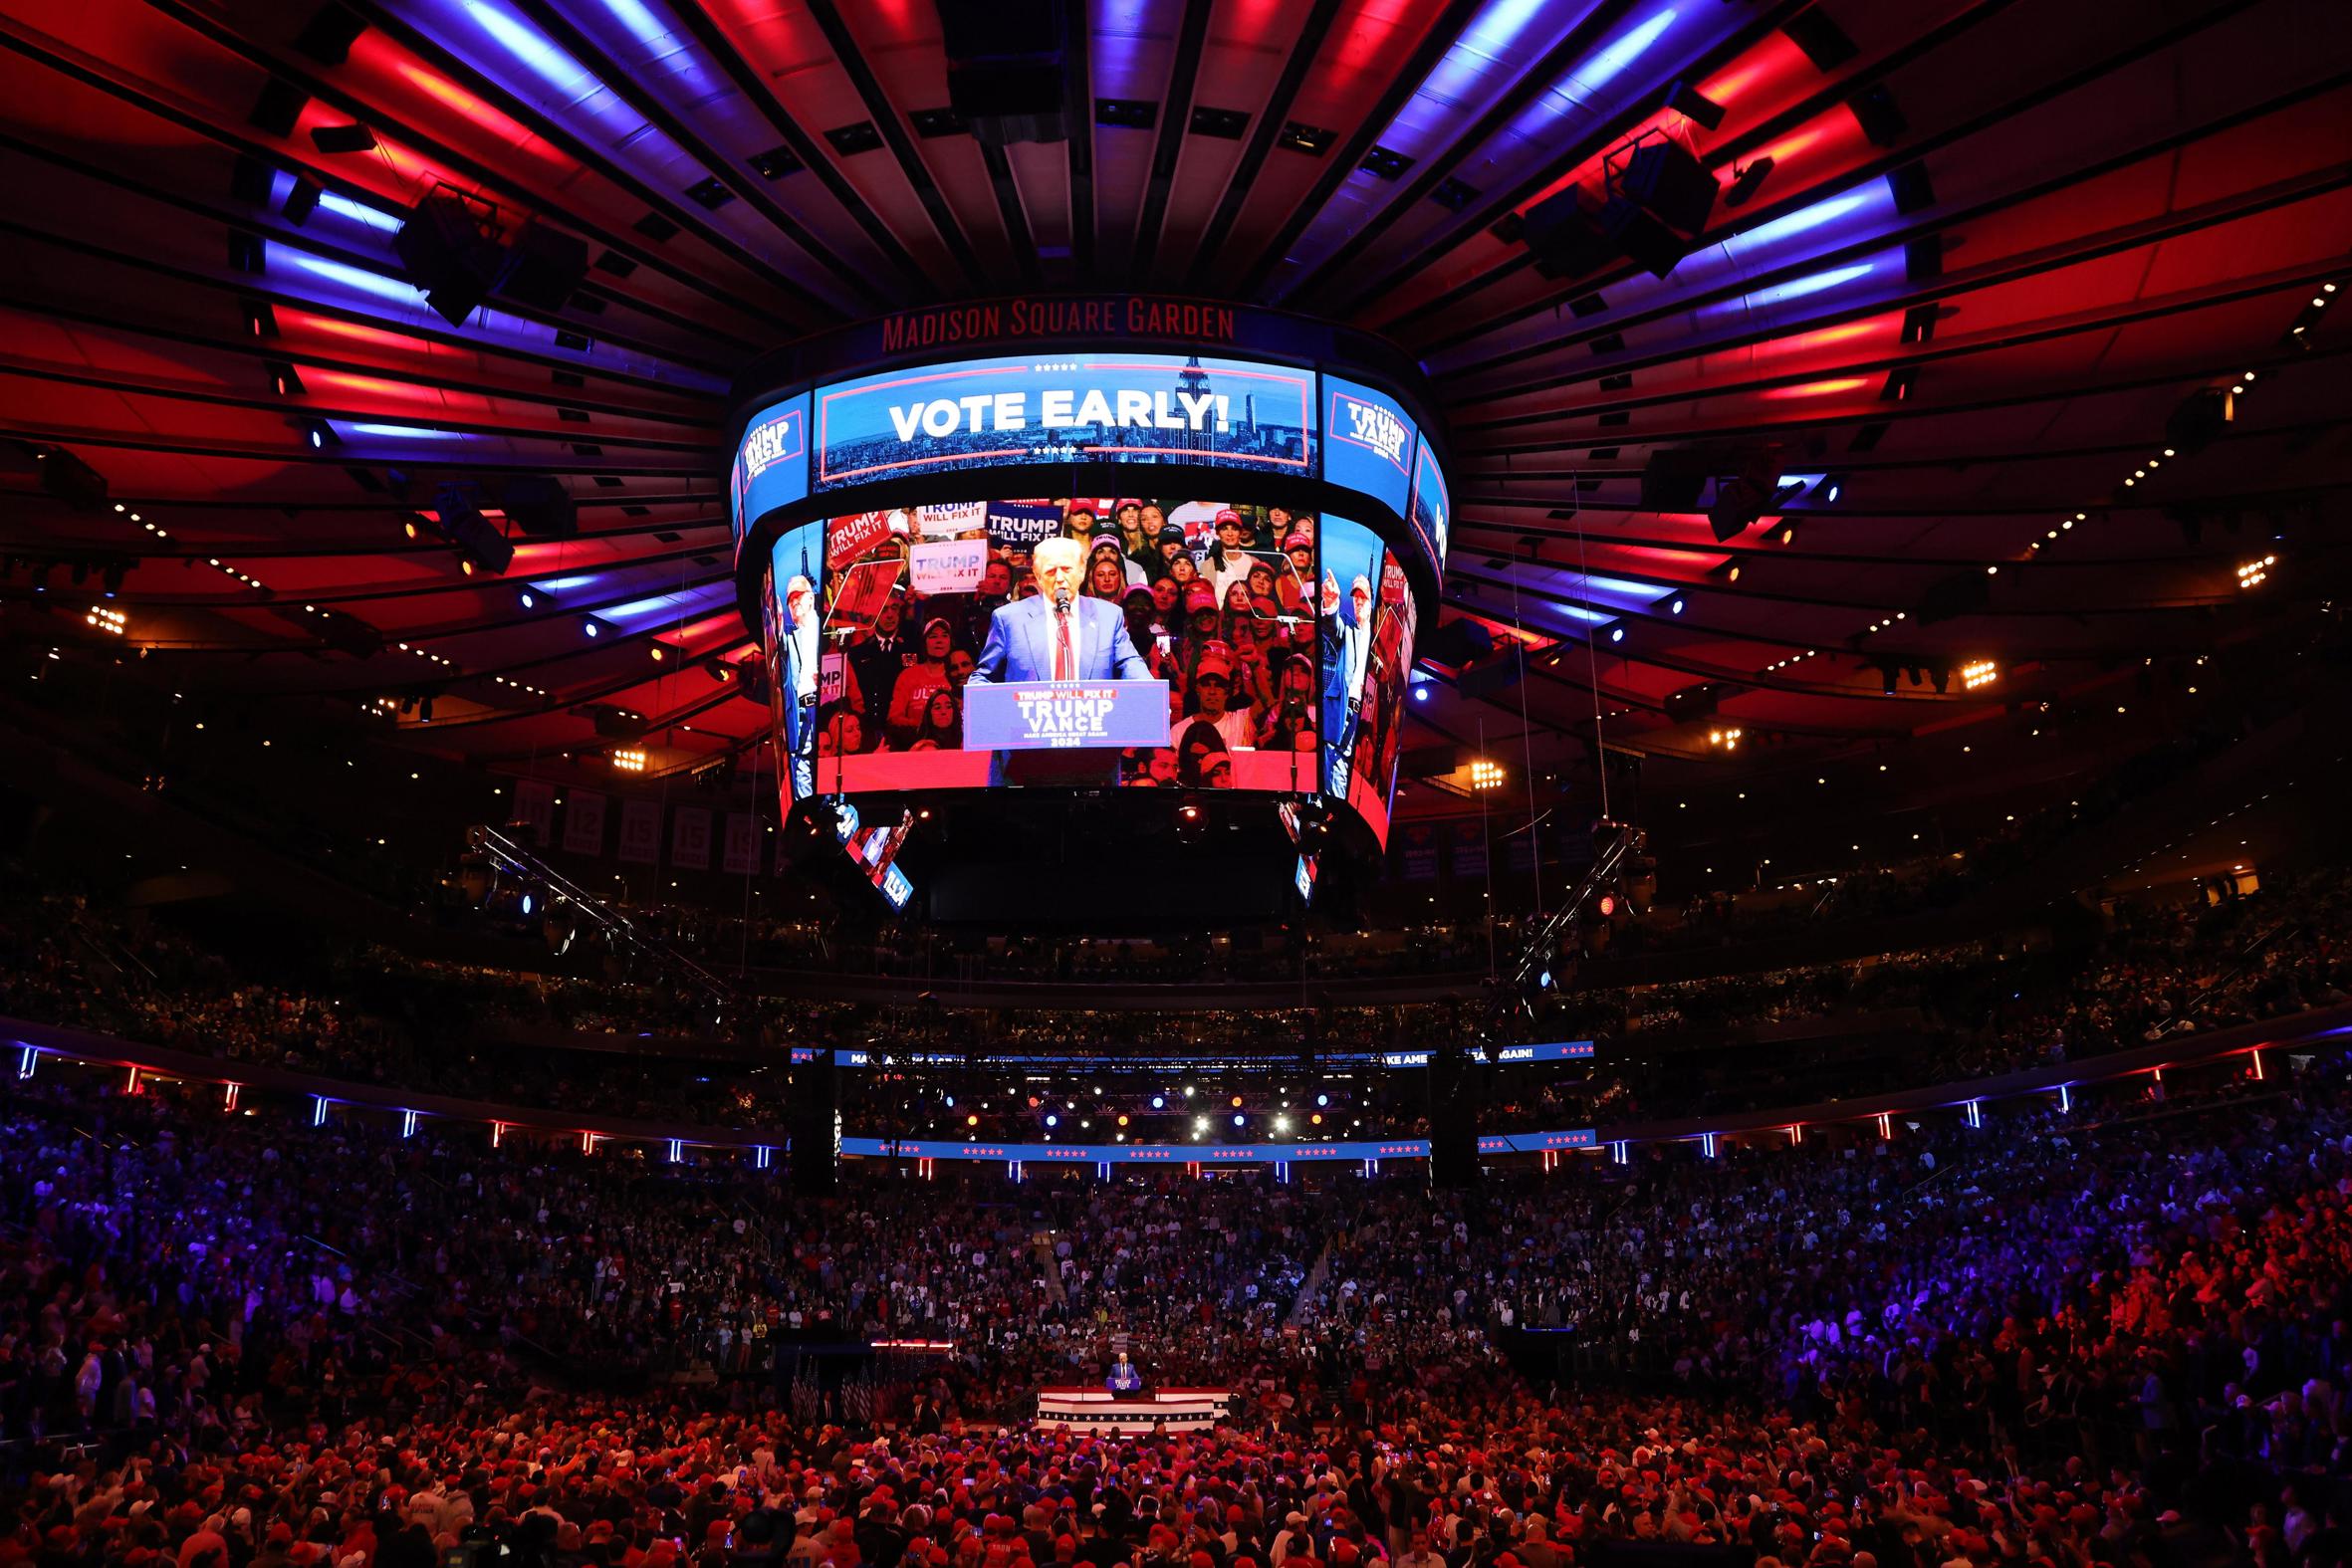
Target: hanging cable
{"x":1527,"y":736}
{"x":1600,"y":745}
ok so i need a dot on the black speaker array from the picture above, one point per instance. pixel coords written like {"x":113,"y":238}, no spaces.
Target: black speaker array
{"x":810,"y":1115}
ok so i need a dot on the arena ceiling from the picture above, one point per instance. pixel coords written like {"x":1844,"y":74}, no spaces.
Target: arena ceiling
{"x":1995,"y":246}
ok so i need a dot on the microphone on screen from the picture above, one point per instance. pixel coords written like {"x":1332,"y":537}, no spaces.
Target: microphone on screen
{"x":1061,"y":601}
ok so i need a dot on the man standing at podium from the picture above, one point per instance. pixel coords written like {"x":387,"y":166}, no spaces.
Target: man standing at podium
{"x":1057,"y":635}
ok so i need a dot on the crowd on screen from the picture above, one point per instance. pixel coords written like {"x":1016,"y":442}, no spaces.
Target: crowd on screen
{"x":2114,"y":1335}
{"x":1220,"y":602}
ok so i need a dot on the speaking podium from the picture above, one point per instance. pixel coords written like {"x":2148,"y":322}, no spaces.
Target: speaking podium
{"x":1100,"y":1410}
{"x":1064,"y":732}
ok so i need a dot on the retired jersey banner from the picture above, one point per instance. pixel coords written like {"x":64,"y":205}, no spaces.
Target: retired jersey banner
{"x":742,"y":845}
{"x":640,"y":832}
{"x":535,"y":809}
{"x":1470,"y":850}
{"x":584,"y":822}
{"x":690,"y":837}
{"x":1419,"y":852}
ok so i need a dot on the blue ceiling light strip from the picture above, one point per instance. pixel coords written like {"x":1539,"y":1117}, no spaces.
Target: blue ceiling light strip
{"x":1851,"y":213}
{"x":1880,"y":273}
{"x":1480,"y":66}
{"x":356,"y":213}
{"x":559,"y":86}
{"x":644,"y":25}
{"x":1831,"y":224}
{"x":1621,"y":51}
{"x":1119,"y":50}
{"x":680,"y":605}
{"x":1583,"y":90}
{"x":353,"y":279}
{"x":524,"y":43}
{"x":1799,"y":288}
{"x":348,"y":428}
{"x":357,"y":284}
{"x":315,"y":279}
{"x":1598,"y":599}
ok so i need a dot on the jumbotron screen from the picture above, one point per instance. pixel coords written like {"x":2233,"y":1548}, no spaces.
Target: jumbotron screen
{"x":1199,"y":622}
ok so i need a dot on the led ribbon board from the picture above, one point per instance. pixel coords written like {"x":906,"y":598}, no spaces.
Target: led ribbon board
{"x":771,"y":468}
{"x":1094,"y":407}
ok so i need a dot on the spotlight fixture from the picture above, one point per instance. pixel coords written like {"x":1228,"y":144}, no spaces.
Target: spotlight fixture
{"x":1688,"y":102}
{"x":1484,"y":775}
{"x":1978,"y":672}
{"x":107,"y":619}
{"x":628,"y":761}
{"x":1727,"y":740}
{"x":2254,"y":574}
{"x":301,"y":200}
{"x":1745,"y":180}
{"x":1742,"y":498}
{"x":343,"y":138}
{"x":449,"y":248}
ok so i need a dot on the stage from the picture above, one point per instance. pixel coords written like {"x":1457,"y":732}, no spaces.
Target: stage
{"x":1099,"y":1410}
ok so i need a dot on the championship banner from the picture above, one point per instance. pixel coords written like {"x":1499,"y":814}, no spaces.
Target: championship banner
{"x":1018,"y":525}
{"x":951,"y":565}
{"x":1518,"y":850}
{"x":690,"y":837}
{"x":1419,"y":841}
{"x":1023,"y":716}
{"x":742,"y":847}
{"x":535,"y":809}
{"x":640,"y":832}
{"x":584,"y":822}
{"x":847,"y":538}
{"x":1470,"y":850}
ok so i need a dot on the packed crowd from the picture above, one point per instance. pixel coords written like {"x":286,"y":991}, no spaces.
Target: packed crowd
{"x":2111,"y":1336}
{"x":647,"y":1048}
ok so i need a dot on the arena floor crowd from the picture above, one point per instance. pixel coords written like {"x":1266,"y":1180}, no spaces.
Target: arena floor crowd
{"x":2115,"y":1336}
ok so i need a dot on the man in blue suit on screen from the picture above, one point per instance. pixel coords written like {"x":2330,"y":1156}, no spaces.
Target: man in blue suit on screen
{"x":1058,"y":635}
